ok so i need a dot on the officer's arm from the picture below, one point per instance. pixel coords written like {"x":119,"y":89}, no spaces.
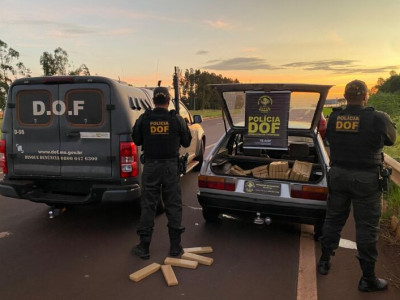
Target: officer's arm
{"x":137,"y":136}
{"x":389,"y":129}
{"x":184,"y":133}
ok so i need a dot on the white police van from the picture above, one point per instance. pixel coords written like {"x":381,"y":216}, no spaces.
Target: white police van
{"x":67,"y":140}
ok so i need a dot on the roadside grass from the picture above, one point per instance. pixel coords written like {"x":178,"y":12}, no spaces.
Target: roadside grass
{"x":392,"y":199}
{"x":207,"y":113}
{"x":327,"y":111}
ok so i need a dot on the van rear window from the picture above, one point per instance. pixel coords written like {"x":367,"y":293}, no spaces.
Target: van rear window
{"x":32,"y":107}
{"x":86,"y":107}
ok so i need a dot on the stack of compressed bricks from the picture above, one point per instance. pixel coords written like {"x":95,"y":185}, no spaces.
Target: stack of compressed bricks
{"x":236,"y":170}
{"x":301,"y":171}
{"x":190,"y":259}
{"x":279,"y":170}
{"x":261,"y":171}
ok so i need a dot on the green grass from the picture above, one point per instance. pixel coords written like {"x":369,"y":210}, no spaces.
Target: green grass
{"x":392,"y":198}
{"x":207,"y":113}
{"x":327,"y":111}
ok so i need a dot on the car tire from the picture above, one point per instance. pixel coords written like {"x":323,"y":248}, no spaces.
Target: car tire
{"x":200,"y":157}
{"x":210,"y":214}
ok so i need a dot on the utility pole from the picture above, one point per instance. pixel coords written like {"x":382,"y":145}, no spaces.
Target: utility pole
{"x":176,"y":89}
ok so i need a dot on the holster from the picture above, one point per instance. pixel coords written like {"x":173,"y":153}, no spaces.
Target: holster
{"x":384,"y":178}
{"x":182,"y":163}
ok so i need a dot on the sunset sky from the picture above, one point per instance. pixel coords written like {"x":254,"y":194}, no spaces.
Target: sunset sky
{"x":140,"y":42}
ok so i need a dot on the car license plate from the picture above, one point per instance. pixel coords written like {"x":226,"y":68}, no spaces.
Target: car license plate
{"x":262,"y":188}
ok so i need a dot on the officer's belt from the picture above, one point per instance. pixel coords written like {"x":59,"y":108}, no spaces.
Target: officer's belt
{"x":357,"y":168}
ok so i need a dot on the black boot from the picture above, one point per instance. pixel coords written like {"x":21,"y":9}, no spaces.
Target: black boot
{"x":175,"y":241}
{"x":369,"y":282}
{"x":324,"y":263}
{"x":142,"y":249}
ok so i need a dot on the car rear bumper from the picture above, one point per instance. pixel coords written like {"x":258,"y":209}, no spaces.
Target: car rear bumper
{"x":295,"y":212}
{"x":27,"y":189}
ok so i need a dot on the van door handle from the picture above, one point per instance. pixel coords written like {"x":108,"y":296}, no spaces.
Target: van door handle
{"x":73,"y":134}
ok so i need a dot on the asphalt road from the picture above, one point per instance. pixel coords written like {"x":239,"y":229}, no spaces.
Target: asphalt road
{"x":85,"y":254}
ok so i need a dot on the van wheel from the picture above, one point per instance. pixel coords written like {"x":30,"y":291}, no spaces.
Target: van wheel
{"x":200,"y":157}
{"x":210,"y":214}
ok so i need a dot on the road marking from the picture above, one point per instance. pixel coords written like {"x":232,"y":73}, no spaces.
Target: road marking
{"x":347,"y":244}
{"x":4,"y":234}
{"x":209,"y":146}
{"x":194,"y":208}
{"x":307,"y":278}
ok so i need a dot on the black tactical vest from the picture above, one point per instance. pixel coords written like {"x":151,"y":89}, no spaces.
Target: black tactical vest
{"x":354,"y":140}
{"x":160,"y":134}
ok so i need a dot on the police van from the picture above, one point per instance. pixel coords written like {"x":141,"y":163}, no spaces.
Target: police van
{"x":67,"y":140}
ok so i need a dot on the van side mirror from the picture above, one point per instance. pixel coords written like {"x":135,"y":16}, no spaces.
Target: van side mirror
{"x":197,"y":119}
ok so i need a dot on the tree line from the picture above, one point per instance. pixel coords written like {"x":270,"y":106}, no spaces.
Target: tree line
{"x":11,"y":67}
{"x":195,"y":90}
{"x":386,"y":96}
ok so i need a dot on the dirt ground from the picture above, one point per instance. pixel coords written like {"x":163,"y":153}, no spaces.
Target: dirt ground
{"x":389,"y":254}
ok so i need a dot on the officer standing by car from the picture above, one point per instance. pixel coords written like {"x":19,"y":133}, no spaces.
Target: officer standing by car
{"x":160,"y":133}
{"x":356,"y":135}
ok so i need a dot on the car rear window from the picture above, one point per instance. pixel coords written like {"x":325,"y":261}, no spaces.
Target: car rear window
{"x":32,"y":108}
{"x":302,"y":108}
{"x":85,"y":107}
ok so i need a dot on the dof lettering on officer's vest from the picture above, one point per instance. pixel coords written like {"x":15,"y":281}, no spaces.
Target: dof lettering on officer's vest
{"x":347,"y":123}
{"x":159,"y":127}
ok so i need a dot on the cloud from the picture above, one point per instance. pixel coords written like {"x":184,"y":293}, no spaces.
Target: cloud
{"x":67,"y":30}
{"x":202,"y":52}
{"x":240,"y":63}
{"x":338,"y":66}
{"x":218,"y":24}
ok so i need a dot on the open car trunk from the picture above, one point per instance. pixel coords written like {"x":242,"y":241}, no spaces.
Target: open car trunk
{"x":300,"y":162}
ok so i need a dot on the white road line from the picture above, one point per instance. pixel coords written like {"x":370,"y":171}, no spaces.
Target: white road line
{"x":4,"y":234}
{"x":307,"y":277}
{"x":209,"y":146}
{"x":347,"y":244}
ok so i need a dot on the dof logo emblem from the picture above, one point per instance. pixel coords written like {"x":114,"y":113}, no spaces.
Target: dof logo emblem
{"x":159,"y":127}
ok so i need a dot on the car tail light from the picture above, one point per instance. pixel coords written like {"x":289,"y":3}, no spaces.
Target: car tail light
{"x":217,"y":183}
{"x":322,"y":126}
{"x":309,"y":192}
{"x":3,"y":156}
{"x":128,"y":159}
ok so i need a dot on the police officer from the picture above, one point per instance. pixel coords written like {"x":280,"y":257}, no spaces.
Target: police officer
{"x":356,"y":136}
{"x":161,"y":133}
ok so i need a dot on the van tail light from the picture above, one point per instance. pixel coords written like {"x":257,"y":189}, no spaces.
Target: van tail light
{"x":309,"y":192}
{"x":217,"y":183}
{"x":3,"y":156}
{"x":128,"y":159}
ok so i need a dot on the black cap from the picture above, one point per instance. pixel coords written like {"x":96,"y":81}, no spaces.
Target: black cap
{"x":161,"y":93}
{"x":356,"y":88}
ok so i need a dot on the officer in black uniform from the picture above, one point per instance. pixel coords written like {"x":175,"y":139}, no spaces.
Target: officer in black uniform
{"x":161,"y":133}
{"x":356,"y":136}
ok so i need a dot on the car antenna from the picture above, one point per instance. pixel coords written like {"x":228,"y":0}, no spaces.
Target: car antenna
{"x":159,"y":83}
